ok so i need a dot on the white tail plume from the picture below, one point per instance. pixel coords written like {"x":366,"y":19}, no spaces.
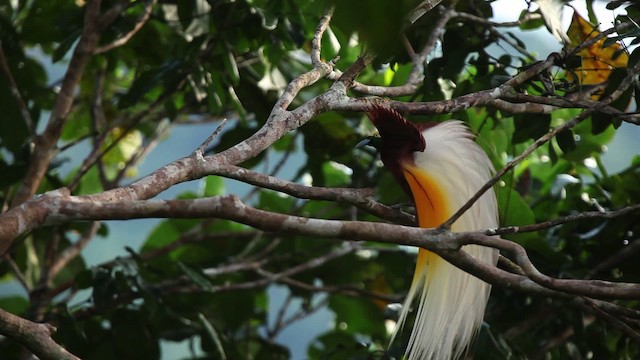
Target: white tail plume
{"x":451,"y":303}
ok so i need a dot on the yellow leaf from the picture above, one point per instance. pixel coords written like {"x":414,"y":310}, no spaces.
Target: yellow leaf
{"x":597,"y":61}
{"x":125,"y":149}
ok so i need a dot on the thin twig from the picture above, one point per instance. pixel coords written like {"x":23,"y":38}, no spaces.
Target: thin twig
{"x":563,"y":220}
{"x":185,"y":285}
{"x":143,"y":151}
{"x":624,"y":254}
{"x":360,"y":198}
{"x":512,"y":164}
{"x":513,"y":44}
{"x":422,"y":8}
{"x":615,"y":322}
{"x":529,"y":16}
{"x":73,"y":251}
{"x":302,"y":313}
{"x":99,"y":125}
{"x":17,"y":273}
{"x":201,"y":149}
{"x":280,"y":317}
{"x":146,"y":14}
{"x":15,"y":91}
{"x":349,"y":290}
{"x":98,"y":153}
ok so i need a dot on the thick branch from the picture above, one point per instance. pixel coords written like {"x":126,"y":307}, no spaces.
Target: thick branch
{"x":59,"y":207}
{"x":316,"y":42}
{"x":593,"y":288}
{"x":36,"y":337}
{"x":45,"y":143}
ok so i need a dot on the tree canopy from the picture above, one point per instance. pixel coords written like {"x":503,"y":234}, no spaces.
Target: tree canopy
{"x":286,"y":84}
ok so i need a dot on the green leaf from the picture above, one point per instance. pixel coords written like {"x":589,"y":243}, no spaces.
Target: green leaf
{"x":614,"y":4}
{"x":11,"y":174}
{"x":84,"y":279}
{"x":273,"y":351}
{"x":350,"y":16}
{"x":566,"y":141}
{"x":588,"y":143}
{"x":196,"y":276}
{"x":13,"y":128}
{"x":64,"y":46}
{"x":149,"y":80}
{"x":552,"y":153}
{"x":231,"y":67}
{"x":530,"y":24}
{"x":78,"y":123}
{"x":132,"y":335}
{"x":243,"y":305}
{"x":126,"y":147}
{"x":337,"y":344}
{"x":357,"y":315}
{"x":285,"y":143}
{"x":614,"y":39}
{"x":634,"y":58}
{"x":213,"y":186}
{"x":163,"y":234}
{"x":212,"y":334}
{"x":336,"y":174}
{"x":275,"y":201}
{"x":531,"y":126}
{"x":49,"y":22}
{"x":90,"y":182}
{"x":214,"y":100}
{"x":236,"y":102}
{"x":103,"y":287}
{"x":16,"y":305}
{"x":186,"y":12}
{"x":70,"y":332}
{"x":514,"y":211}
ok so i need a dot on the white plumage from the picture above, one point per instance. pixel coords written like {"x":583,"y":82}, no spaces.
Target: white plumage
{"x":451,"y":303}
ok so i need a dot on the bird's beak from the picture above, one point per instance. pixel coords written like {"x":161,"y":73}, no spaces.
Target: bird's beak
{"x":373,"y":141}
{"x":365,"y":142}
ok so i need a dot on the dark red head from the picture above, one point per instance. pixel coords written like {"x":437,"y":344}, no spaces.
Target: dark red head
{"x":399,"y":139}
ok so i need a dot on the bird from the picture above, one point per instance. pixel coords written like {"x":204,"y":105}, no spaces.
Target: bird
{"x":440,"y":167}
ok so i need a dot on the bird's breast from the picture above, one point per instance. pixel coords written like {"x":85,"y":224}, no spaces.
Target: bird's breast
{"x":432,"y":206}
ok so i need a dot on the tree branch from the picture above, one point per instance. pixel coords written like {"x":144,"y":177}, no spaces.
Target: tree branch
{"x":45,"y":143}
{"x":15,"y":91}
{"x":563,"y":220}
{"x":146,"y":14}
{"x":360,"y":198}
{"x":36,"y":337}
{"x":627,"y":81}
{"x":592,"y":288}
{"x":59,"y":207}
{"x":316,"y":42}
